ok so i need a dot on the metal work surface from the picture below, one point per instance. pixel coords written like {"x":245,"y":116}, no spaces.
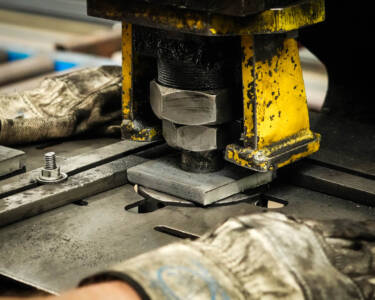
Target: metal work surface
{"x":345,"y":164}
{"x":55,"y":250}
{"x":347,"y":143}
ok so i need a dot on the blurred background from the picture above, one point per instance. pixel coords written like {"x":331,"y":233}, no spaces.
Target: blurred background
{"x":46,"y":37}
{"x":39,"y":38}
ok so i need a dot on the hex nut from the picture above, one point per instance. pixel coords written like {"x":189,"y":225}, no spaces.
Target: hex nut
{"x":51,"y":176}
{"x":170,"y":133}
{"x":195,"y":138}
{"x":191,"y":107}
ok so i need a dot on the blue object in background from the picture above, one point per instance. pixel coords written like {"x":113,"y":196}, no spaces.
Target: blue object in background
{"x":63,"y":65}
{"x":12,"y":55}
{"x":63,"y":60}
{"x":59,"y":65}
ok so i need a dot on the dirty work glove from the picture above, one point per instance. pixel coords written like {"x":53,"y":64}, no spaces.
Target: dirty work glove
{"x":66,"y":105}
{"x":350,"y":247}
{"x":264,"y":256}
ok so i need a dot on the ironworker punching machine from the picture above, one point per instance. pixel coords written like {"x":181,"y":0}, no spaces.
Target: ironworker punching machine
{"x":216,"y":79}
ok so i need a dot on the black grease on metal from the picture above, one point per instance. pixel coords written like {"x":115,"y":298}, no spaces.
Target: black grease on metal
{"x":197,"y":63}
{"x":268,"y":46}
{"x":175,"y":232}
{"x":14,"y":173}
{"x":192,"y":62}
{"x":190,"y":76}
{"x":202,"y":162}
{"x":235,"y":8}
{"x":140,"y":129}
{"x":144,"y":71}
{"x":81,"y":203}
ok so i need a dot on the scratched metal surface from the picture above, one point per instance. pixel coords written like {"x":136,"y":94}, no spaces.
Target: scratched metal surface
{"x":53,"y":251}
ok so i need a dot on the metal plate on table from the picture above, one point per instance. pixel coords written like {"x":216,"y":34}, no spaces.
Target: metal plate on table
{"x":346,"y":144}
{"x":11,"y":160}
{"x":55,"y":250}
{"x":165,"y":175}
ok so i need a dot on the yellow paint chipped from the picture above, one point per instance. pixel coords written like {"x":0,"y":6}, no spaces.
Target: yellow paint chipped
{"x":244,"y":158}
{"x":188,"y":21}
{"x":311,"y":148}
{"x":281,"y":20}
{"x":142,"y":135}
{"x":145,"y":135}
{"x":247,"y":44}
{"x":276,"y":88}
{"x":233,"y":155}
{"x":300,"y":137}
{"x":213,"y":30}
{"x":262,"y":160}
{"x":280,"y":98}
{"x":127,"y":58}
{"x":289,"y":18}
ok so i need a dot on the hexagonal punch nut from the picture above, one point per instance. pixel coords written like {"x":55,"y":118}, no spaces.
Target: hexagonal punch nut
{"x":196,"y":138}
{"x":170,"y":133}
{"x":191,"y":107}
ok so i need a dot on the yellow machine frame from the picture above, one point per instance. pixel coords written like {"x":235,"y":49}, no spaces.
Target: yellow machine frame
{"x":275,"y":114}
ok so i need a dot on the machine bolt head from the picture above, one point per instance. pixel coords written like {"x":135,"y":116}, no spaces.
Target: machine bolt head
{"x":51,"y":172}
{"x":259,"y":157}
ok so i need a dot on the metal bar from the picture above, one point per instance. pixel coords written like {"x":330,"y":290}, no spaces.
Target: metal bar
{"x":75,"y":165}
{"x":353,"y":165}
{"x":347,"y":143}
{"x":46,"y":197}
{"x":334,"y":182}
{"x":165,"y":175}
{"x":11,"y":160}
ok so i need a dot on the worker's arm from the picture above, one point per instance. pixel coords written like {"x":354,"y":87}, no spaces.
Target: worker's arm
{"x":113,"y":290}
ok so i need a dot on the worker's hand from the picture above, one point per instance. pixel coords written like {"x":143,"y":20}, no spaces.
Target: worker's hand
{"x":114,"y":290}
{"x":62,"y":106}
{"x":351,"y":249}
{"x":265,"y":256}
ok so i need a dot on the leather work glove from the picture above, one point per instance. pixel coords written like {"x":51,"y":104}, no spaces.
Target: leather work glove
{"x":264,"y":256}
{"x":63,"y":106}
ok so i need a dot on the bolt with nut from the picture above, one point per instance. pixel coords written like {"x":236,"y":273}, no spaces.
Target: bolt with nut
{"x":51,"y":172}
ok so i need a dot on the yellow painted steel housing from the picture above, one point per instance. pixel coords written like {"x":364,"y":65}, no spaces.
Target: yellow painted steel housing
{"x":276,"y":122}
